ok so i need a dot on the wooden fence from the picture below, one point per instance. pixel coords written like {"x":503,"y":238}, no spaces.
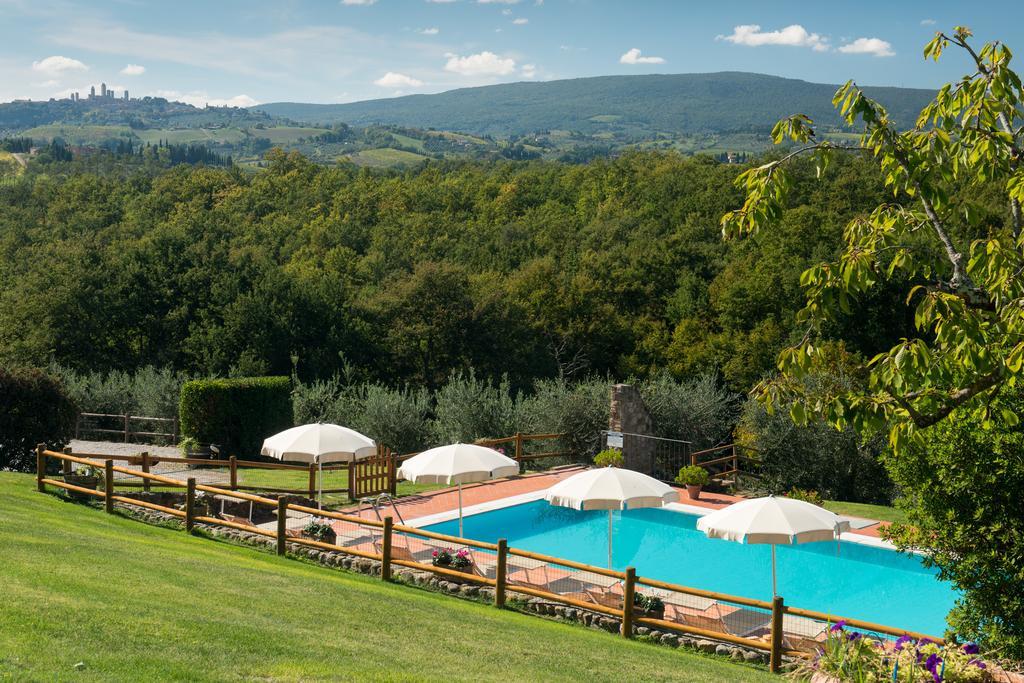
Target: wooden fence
{"x":124,"y":426}
{"x":726,"y":463}
{"x":519,"y":443}
{"x":404,"y":546}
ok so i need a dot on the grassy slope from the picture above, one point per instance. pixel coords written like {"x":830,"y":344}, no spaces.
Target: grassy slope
{"x":135,"y":602}
{"x":882,"y":513}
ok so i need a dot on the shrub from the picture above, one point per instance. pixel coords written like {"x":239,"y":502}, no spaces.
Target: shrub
{"x":609,"y":458}
{"x":237,"y":414}
{"x":702,"y":410}
{"x":149,"y":391}
{"x":692,"y":475}
{"x":806,"y":495}
{"x":578,"y":410}
{"x":469,"y":409}
{"x":34,"y":409}
{"x":397,"y":418}
{"x":961,"y":490}
{"x":839,"y":465}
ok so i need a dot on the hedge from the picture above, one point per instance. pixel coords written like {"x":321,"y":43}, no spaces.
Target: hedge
{"x":235,"y":414}
{"x":34,"y":409}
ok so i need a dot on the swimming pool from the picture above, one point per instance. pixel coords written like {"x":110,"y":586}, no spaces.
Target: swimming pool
{"x":862,"y":582}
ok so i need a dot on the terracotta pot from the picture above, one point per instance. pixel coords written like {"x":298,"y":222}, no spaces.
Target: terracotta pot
{"x":649,"y":614}
{"x":693,"y":491}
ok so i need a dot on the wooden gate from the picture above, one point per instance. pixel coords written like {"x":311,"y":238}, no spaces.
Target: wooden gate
{"x":373,"y":475}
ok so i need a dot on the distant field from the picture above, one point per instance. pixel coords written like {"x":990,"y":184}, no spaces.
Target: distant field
{"x":9,"y":165}
{"x":461,"y":137}
{"x":408,"y":141}
{"x":281,"y":134}
{"x":182,"y":136}
{"x":384,"y":157}
{"x":605,"y":118}
{"x":79,"y":134}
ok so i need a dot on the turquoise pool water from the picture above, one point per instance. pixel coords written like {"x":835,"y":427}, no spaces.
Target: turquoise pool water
{"x":862,"y":582}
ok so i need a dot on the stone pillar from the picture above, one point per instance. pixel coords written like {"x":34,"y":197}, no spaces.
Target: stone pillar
{"x":629,"y":415}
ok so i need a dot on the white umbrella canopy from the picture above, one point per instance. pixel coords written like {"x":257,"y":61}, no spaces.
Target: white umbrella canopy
{"x":460,"y":464}
{"x":777,"y":521}
{"x":319,"y":443}
{"x":610,"y":488}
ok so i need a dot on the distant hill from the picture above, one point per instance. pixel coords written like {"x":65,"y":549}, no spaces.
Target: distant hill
{"x":721,"y":103}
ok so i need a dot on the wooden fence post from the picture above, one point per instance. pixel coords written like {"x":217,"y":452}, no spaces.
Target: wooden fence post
{"x":282,"y":525}
{"x":312,"y":480}
{"x":519,"y":447}
{"x":127,"y":427}
{"x":40,"y":467}
{"x":500,"y":572}
{"x":693,"y":460}
{"x":190,"y":505}
{"x":351,"y":481}
{"x":385,"y":555}
{"x":392,"y":473}
{"x":108,"y":486}
{"x":233,"y":465}
{"x":778,"y":609}
{"x":628,"y":595}
{"x":145,"y":468}
{"x":65,"y":465}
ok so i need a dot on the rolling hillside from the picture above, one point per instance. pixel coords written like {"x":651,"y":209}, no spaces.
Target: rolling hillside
{"x":727,"y":102}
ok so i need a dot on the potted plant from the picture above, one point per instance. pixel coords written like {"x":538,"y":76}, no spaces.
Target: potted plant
{"x":320,"y":530}
{"x":450,"y":559}
{"x":87,"y":478}
{"x":649,"y":606}
{"x":609,"y":458}
{"x":694,"y":478}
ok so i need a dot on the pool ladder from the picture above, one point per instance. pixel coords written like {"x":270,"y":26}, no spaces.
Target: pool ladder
{"x":376,"y":503}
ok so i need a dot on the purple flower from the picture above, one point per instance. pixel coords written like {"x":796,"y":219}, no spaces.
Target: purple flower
{"x":971,"y":649}
{"x":978,"y":663}
{"x":853,"y":637}
{"x":902,"y":641}
{"x":924,"y":641}
{"x":838,"y":626}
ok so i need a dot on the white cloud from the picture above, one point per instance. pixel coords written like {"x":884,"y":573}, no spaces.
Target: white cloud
{"x":506,"y":12}
{"x":868,"y":46}
{"x":793,"y":36}
{"x":520,"y":21}
{"x":440,"y":2}
{"x":633,"y":57}
{"x":498,"y":2}
{"x":133,"y":70}
{"x":432,"y":31}
{"x":358,"y":2}
{"x":56,"y":65}
{"x":927,"y":22}
{"x":397,"y":80}
{"x":482,"y":64}
{"x":199,"y":98}
{"x":528,"y":70}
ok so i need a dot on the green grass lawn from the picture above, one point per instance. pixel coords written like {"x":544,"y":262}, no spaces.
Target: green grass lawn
{"x":333,"y":479}
{"x":183,"y":136}
{"x":882,"y":513}
{"x":135,"y":602}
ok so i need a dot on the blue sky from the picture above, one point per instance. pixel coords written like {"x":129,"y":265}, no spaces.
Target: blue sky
{"x":248,"y":52}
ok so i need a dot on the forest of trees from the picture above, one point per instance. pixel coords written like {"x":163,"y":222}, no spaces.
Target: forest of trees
{"x":530,"y":270}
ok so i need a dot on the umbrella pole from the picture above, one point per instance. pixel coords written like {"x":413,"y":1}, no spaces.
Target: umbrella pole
{"x":320,"y":485}
{"x":774,"y":591}
{"x":609,"y":539}
{"x":460,"y":510}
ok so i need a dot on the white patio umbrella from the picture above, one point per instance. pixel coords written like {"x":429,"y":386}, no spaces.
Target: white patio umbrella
{"x":610,"y":488}
{"x":777,"y":521}
{"x":319,"y":443}
{"x":458,"y":463}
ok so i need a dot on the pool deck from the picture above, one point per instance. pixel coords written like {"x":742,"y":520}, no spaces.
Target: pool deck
{"x":434,"y":504}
